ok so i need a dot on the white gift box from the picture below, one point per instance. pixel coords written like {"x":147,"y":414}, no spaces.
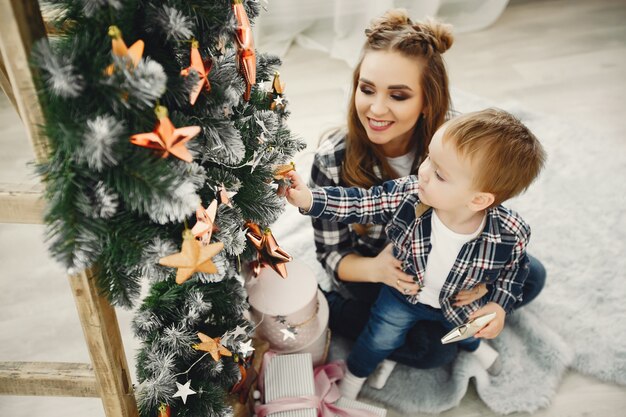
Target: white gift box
{"x":290,"y":376}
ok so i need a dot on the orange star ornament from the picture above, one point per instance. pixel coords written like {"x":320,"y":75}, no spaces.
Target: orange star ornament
{"x":280,"y":172}
{"x":203,"y":68}
{"x":269,"y":253}
{"x":244,"y":385}
{"x":193,"y":257}
{"x":225,"y":195}
{"x":119,"y":48}
{"x":245,"y":42}
{"x":164,"y":410}
{"x":212,"y":346}
{"x":167,"y":138}
{"x":205,"y":222}
{"x":278,"y":89}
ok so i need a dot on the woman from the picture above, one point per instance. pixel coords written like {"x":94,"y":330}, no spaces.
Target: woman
{"x":400,"y":97}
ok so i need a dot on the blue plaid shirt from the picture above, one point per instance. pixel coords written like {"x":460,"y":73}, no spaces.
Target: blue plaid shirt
{"x":494,"y":257}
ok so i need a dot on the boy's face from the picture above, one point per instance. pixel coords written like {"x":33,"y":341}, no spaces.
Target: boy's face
{"x":445,"y":177}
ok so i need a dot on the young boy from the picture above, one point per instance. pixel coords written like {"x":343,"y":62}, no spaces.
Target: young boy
{"x":448,"y":228}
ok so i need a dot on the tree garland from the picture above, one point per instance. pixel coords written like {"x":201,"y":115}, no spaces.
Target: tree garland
{"x":106,"y":76}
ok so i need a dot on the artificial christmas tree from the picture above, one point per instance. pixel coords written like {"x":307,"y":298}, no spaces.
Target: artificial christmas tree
{"x":119,"y":208}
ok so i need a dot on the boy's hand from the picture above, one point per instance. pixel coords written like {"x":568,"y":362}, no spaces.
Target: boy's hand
{"x":298,"y":194}
{"x":495,"y":326}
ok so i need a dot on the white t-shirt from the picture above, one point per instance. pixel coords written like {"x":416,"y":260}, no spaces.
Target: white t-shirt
{"x":445,"y":247}
{"x":402,"y":164}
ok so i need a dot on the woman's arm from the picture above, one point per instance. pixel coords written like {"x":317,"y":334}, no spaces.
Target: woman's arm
{"x":386,"y":269}
{"x":337,"y":246}
{"x":383,"y":268}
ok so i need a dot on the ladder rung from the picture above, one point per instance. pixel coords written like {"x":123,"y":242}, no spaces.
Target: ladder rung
{"x":48,"y":379}
{"x":21,"y":203}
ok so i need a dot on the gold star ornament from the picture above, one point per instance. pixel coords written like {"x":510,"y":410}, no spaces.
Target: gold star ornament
{"x":213,"y":346}
{"x":193,"y":257}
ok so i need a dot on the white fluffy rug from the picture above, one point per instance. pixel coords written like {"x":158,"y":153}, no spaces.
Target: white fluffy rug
{"x":576,"y":211}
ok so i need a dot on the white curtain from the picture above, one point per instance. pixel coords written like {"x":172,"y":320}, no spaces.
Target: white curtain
{"x":336,"y":26}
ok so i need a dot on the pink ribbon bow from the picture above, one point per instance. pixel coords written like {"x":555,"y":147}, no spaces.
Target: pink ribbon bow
{"x":326,"y":393}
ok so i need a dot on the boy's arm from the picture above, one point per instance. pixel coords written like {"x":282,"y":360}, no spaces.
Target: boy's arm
{"x":333,"y":241}
{"x":349,"y":205}
{"x":507,"y":288}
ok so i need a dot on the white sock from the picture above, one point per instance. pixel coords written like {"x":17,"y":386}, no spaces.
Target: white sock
{"x":486,"y":355}
{"x":381,"y":374}
{"x":350,"y":385}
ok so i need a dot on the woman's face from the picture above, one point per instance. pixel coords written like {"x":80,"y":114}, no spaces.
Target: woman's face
{"x":389,"y":99}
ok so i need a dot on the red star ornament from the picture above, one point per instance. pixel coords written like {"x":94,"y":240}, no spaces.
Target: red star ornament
{"x":193,"y":257}
{"x":212,"y":346}
{"x":245,"y":43}
{"x":166,"y":138}
{"x":119,"y":48}
{"x":269,"y":253}
{"x":205,"y":223}
{"x":202,"y":68}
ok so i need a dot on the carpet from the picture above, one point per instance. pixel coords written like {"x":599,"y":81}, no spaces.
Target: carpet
{"x":576,"y":212}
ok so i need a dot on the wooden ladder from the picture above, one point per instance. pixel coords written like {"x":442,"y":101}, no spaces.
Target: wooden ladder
{"x":107,"y":376}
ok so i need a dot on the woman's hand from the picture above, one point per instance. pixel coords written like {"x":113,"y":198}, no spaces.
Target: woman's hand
{"x":465,"y":297}
{"x":495,"y":326}
{"x":385,"y":268}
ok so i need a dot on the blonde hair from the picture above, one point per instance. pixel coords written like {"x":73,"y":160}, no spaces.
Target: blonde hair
{"x":506,"y":155}
{"x":425,"y":41}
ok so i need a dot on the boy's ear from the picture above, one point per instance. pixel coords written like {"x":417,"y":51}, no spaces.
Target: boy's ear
{"x":481,"y":201}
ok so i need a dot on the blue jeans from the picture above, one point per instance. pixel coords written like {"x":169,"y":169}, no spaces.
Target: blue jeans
{"x":391,"y":318}
{"x":422,"y":347}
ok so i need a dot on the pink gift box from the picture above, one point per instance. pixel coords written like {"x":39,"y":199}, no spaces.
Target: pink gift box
{"x":318,"y":347}
{"x":291,"y":314}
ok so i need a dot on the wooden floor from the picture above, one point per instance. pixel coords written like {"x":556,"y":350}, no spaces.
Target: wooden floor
{"x":562,"y":57}
{"x":559,"y":57}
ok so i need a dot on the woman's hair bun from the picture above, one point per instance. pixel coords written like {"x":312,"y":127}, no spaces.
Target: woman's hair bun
{"x":442,"y":37}
{"x":393,"y":19}
{"x":396,"y":28}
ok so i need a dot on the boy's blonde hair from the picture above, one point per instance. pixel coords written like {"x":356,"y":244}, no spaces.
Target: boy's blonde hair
{"x":504,"y":153}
